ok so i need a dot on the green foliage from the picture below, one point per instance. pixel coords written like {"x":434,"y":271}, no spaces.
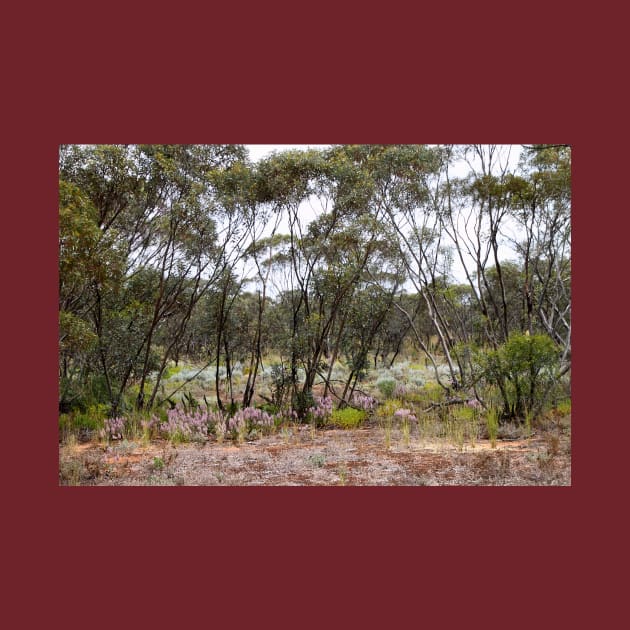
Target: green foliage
{"x":269,"y":408}
{"x":465,"y":413}
{"x":563,"y":408}
{"x":75,"y":334}
{"x":87,"y":422}
{"x":524,"y":369}
{"x":348,"y":418}
{"x":386,"y":386}
{"x":171,"y":371}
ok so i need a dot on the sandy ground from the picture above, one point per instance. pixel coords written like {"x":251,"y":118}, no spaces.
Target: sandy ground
{"x":301,"y":456}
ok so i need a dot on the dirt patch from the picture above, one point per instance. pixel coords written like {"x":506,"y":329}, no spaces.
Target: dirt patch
{"x":304,"y":457}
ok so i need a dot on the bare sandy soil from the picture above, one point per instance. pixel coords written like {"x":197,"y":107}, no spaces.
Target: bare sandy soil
{"x":301,"y":456}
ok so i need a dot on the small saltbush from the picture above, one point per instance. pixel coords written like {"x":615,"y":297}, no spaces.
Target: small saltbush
{"x":339,"y":372}
{"x":416,"y":377}
{"x":386,"y":385}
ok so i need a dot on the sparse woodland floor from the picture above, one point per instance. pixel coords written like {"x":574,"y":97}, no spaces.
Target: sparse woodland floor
{"x":302,"y":456}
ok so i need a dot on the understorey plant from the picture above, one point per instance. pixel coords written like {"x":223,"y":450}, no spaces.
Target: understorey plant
{"x":386,"y":385}
{"x":321,"y":411}
{"x":186,"y":426}
{"x":363,"y":401}
{"x":113,"y":429}
{"x":249,"y":422}
{"x":525,"y":370}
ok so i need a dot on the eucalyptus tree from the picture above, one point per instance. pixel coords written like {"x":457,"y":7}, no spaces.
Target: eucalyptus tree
{"x":85,"y":257}
{"x":264,"y":245}
{"x":368,"y":311}
{"x":543,"y":241}
{"x":324,"y":254}
{"x":523,"y":213}
{"x":405,"y":311}
{"x":263,"y":251}
{"x":155,"y":205}
{"x":286,"y":181}
{"x":474,"y":211}
{"x":405,"y":179}
{"x":510,"y":228}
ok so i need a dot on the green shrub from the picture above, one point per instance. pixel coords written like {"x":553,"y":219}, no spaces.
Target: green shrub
{"x":87,"y":421}
{"x":386,"y":385}
{"x":317,"y":459}
{"x":524,"y":369}
{"x":348,"y":418}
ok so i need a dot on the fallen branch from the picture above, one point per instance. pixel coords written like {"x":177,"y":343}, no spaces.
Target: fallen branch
{"x":519,"y":437}
{"x":447,"y":403}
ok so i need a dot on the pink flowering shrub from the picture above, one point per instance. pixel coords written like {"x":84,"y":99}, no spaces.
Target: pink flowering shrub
{"x":246,"y":420}
{"x":400,"y":391}
{"x":217,"y":423}
{"x":405,"y":415}
{"x":185,"y":426}
{"x":196,"y":425}
{"x":113,"y":429}
{"x":321,"y":411}
{"x":285,"y":416}
{"x":362,"y":401}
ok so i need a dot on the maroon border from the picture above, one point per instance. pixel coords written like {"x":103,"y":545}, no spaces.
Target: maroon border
{"x":507,"y":557}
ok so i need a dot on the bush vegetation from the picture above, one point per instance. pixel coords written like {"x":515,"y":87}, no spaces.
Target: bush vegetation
{"x":340,"y":321}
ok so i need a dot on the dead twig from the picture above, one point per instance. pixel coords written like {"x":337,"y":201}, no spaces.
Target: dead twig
{"x":447,"y":403}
